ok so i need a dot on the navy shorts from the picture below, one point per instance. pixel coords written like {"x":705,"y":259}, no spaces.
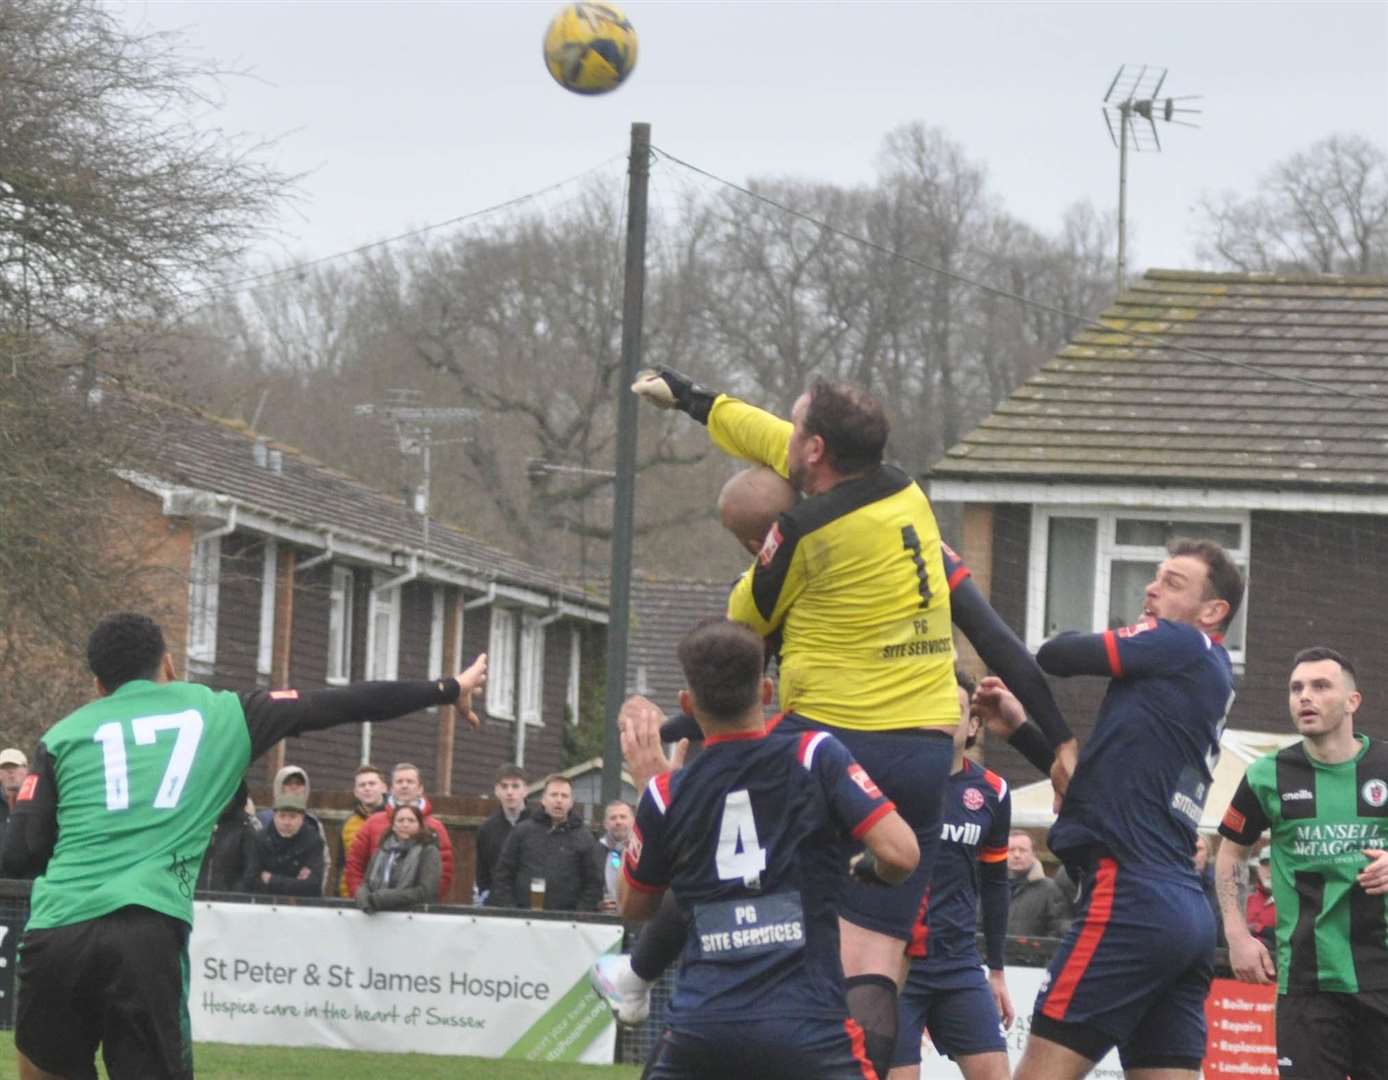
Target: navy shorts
{"x":911,"y":766}
{"x":1132,"y":972}
{"x":766,"y":1049}
{"x":958,"y":1010}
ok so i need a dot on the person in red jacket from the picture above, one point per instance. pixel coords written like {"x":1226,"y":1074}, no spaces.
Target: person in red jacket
{"x":405,"y":789}
{"x":1261,"y":910}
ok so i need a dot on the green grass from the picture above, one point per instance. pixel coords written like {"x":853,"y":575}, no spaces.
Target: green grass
{"x":221,"y":1061}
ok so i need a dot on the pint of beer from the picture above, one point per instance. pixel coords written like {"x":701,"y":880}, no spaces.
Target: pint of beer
{"x":537,"y":894}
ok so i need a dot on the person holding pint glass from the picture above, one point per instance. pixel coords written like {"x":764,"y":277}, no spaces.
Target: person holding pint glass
{"x":551,"y":862}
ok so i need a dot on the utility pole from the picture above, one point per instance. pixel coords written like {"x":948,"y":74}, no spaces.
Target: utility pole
{"x":619,"y":599}
{"x":1131,"y":97}
{"x":413,"y":425}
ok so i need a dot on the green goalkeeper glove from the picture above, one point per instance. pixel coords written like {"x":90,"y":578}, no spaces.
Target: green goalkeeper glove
{"x":666,"y":388}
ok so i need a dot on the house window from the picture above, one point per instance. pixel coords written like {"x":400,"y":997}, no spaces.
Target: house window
{"x":265,"y":655}
{"x":382,"y":630}
{"x":203,"y":588}
{"x":1090,"y":568}
{"x":501,"y":665}
{"x":340,"y":626}
{"x":532,"y":669}
{"x":571,"y":692}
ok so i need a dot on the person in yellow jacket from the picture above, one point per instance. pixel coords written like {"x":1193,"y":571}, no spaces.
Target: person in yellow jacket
{"x":852,"y":581}
{"x":369,"y":789}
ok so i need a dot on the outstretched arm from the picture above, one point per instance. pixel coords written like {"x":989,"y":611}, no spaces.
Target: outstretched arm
{"x":1005,"y":653}
{"x":271,"y":715}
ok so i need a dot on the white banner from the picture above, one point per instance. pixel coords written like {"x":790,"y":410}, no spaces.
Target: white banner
{"x":490,"y":986}
{"x":1023,"y":984}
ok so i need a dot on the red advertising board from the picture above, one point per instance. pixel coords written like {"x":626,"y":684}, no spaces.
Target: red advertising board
{"x":1242,"y":1040}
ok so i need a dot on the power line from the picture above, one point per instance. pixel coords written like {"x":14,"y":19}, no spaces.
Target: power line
{"x":252,"y":279}
{"x":1093,"y":324}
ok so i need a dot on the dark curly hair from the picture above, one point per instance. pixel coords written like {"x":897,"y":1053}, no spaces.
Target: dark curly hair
{"x":125,"y":647}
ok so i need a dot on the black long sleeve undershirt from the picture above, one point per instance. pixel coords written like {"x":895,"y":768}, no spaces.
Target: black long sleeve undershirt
{"x":994,"y":895}
{"x":1029,"y":741}
{"x":271,"y":715}
{"x":1074,"y":654}
{"x":1006,"y":655}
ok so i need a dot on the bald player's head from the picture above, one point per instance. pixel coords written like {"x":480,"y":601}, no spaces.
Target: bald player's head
{"x":750,"y":503}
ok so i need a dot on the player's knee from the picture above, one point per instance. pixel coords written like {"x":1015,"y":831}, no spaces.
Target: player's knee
{"x":872,"y":1004}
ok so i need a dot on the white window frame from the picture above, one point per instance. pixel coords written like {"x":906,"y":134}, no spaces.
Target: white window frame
{"x":383,"y":602}
{"x":572,"y":690}
{"x":456,"y":660}
{"x":340,"y":650}
{"x":265,"y":654}
{"x":204,"y":590}
{"x":1108,"y":550}
{"x":436,"y":625}
{"x":532,"y":670}
{"x":501,"y":664}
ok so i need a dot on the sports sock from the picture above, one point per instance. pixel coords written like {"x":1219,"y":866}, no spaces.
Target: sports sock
{"x":872,"y":1003}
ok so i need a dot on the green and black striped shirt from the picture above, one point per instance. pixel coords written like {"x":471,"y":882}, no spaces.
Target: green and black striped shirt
{"x":1331,"y":934}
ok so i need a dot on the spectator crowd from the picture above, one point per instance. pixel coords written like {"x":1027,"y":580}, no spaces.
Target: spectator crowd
{"x":396,"y":855}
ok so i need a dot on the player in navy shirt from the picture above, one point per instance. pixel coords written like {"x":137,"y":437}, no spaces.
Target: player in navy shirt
{"x":748,"y":506}
{"x":946,"y":991}
{"x":1134,"y":969}
{"x":754,"y":840}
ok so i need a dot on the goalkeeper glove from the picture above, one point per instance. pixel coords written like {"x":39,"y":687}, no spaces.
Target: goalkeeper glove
{"x":864,"y":868}
{"x":666,"y":388}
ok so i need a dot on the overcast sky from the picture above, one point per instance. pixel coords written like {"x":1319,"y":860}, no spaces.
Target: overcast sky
{"x":411,"y":113}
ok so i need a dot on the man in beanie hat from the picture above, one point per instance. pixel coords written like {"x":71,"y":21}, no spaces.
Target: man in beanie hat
{"x":289,"y":856}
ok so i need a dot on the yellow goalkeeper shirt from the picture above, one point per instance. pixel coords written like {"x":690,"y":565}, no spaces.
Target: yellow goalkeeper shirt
{"x":854,"y":580}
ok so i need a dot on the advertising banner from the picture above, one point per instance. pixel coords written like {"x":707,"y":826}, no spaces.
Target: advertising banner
{"x":11,"y":927}
{"x":1240,"y":1018}
{"x":1243,"y":1036}
{"x":420,"y":983}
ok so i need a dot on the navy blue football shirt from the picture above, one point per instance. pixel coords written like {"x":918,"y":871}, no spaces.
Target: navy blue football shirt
{"x":754,"y":838}
{"x":1143,"y":777}
{"x":971,"y":860}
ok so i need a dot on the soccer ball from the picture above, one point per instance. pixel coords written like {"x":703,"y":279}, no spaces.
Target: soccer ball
{"x":590,"y":48}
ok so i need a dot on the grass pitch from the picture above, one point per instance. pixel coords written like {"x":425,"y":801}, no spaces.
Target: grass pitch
{"x":222,"y":1061}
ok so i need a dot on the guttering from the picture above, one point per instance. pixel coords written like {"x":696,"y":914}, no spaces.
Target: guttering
{"x":488,"y":597}
{"x":225,"y":529}
{"x":327,"y":553}
{"x":403,"y":579}
{"x":181,"y":501}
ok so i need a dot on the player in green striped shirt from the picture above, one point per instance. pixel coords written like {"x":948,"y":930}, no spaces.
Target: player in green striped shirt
{"x":116,"y":815}
{"x":1326,"y":801}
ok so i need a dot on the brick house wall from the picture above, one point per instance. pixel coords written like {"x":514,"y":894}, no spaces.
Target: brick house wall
{"x":1301,"y":595}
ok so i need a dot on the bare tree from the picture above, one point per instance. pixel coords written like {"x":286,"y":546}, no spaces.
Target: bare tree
{"x":1322,"y":210}
{"x":524,"y":324}
{"x":112,"y":203}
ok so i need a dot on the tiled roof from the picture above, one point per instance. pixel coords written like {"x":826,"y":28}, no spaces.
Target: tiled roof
{"x":1112,"y":407}
{"x":661,"y":613}
{"x":204,"y":453}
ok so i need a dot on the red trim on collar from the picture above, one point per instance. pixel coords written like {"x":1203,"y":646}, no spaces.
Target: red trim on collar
{"x":736,"y":736}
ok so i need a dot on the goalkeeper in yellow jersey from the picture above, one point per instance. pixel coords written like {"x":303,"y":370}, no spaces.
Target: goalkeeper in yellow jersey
{"x":853,"y":579}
